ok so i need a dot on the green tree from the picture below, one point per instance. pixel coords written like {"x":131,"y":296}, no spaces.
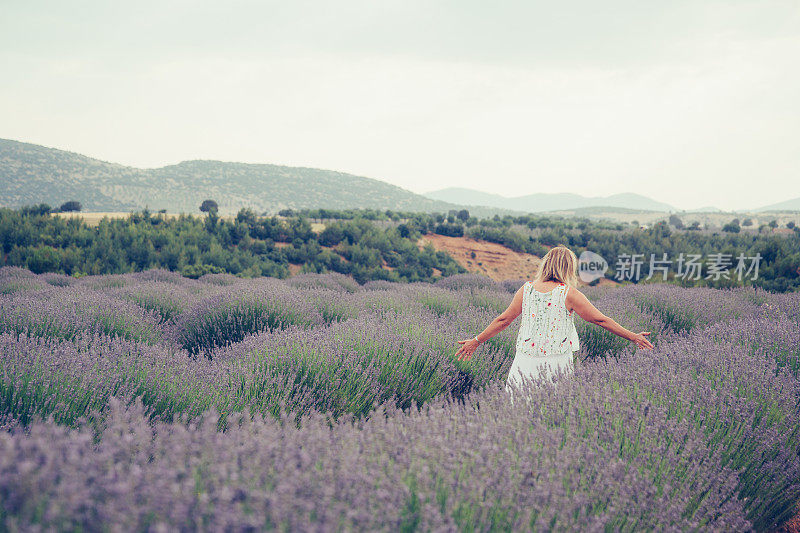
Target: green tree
{"x":71,"y":205}
{"x":331,"y":235}
{"x":246,"y":216}
{"x":676,"y":221}
{"x":732,"y":227}
{"x":35,"y":210}
{"x":209,"y":205}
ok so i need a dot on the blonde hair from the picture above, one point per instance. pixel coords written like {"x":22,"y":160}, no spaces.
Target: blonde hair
{"x":559,"y":264}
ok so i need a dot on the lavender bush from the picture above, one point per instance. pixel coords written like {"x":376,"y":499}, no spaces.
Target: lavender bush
{"x":380,"y":284}
{"x":247,"y":307}
{"x":14,"y":285}
{"x":223,"y":279}
{"x":9,"y":272}
{"x":105,"y":281}
{"x":57,"y":280}
{"x":329,"y":406}
{"x":331,"y":280}
{"x":45,"y":377}
{"x":164,"y":276}
{"x":67,"y":312}
{"x":577,"y":466}
{"x":459,"y":282}
{"x":350,"y":367}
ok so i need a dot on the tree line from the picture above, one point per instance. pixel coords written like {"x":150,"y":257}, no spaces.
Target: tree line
{"x":367,"y":244}
{"x":248,"y":246}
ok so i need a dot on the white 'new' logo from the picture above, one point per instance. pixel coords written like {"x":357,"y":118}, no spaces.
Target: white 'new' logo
{"x":591,"y":266}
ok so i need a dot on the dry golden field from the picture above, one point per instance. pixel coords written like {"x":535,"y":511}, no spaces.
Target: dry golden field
{"x":92,"y":219}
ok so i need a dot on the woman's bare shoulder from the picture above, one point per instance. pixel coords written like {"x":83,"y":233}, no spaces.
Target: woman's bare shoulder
{"x":573,"y":298}
{"x":574,"y":292}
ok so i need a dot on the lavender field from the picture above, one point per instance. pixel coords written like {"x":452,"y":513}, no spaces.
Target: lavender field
{"x":149,"y":401}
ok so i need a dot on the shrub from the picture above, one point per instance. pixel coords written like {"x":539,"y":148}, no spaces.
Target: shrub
{"x":246,"y":308}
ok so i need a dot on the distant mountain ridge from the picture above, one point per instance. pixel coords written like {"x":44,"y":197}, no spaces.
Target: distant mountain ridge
{"x":788,"y":205}
{"x":32,"y":174}
{"x":543,"y":202}
{"x":546,"y":202}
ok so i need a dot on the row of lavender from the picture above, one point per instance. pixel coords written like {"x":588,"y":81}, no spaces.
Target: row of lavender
{"x":318,"y":343}
{"x":703,"y":432}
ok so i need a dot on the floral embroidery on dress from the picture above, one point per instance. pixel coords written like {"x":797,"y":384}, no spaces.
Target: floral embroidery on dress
{"x":546,"y":321}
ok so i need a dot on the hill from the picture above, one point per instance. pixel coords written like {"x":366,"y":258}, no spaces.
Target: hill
{"x":543,"y":202}
{"x":788,"y":205}
{"x":31,"y":174}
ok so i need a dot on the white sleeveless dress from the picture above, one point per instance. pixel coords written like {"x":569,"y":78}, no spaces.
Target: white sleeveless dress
{"x":547,"y":337}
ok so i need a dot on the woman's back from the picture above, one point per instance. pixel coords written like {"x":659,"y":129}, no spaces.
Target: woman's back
{"x":546,"y":326}
{"x":547,"y":337}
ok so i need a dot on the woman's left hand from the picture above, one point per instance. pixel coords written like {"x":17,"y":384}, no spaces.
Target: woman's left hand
{"x":468,"y":347}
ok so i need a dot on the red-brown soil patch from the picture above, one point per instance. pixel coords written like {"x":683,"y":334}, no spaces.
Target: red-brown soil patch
{"x":793,"y":525}
{"x":490,"y":259}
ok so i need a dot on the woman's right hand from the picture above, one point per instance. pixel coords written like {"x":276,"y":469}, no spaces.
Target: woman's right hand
{"x":640,"y":340}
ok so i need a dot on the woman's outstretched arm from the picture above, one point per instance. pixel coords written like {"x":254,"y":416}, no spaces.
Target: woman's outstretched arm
{"x":579,"y":303}
{"x":497,"y":325}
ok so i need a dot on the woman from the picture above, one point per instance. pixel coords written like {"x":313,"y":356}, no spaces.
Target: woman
{"x":547,"y":336}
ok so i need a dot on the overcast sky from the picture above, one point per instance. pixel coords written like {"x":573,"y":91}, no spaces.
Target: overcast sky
{"x":693,"y":102}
